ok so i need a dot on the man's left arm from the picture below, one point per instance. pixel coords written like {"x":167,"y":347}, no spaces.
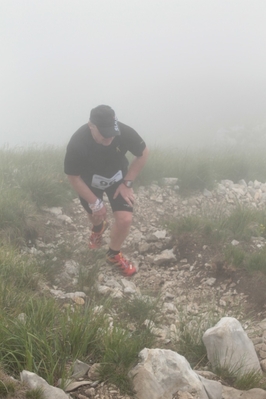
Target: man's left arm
{"x":137,"y":165}
{"x":133,"y":171}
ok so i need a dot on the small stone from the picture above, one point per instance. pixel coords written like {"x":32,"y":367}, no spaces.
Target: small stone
{"x":90,"y":392}
{"x":263,"y":364}
{"x":93,"y":372}
{"x":210,"y":281}
{"x":78,"y":300}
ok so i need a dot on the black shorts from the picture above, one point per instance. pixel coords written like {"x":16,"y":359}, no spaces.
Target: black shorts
{"x":117,"y":204}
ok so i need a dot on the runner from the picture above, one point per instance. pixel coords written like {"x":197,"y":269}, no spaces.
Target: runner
{"x":95,"y":163}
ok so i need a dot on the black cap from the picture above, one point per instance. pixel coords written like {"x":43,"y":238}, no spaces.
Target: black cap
{"x":104,"y":118}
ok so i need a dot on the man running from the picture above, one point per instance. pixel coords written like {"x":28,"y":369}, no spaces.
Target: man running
{"x":95,"y":163}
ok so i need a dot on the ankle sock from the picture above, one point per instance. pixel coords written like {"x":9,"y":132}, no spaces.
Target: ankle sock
{"x":112,"y":253}
{"x":98,"y":228}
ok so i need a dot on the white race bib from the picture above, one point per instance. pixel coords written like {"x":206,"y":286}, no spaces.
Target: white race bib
{"x":103,"y":182}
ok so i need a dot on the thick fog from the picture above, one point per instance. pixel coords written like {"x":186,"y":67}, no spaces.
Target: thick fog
{"x":181,"y":72}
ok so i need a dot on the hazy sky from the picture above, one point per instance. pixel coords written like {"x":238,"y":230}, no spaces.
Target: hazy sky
{"x":175,"y":70}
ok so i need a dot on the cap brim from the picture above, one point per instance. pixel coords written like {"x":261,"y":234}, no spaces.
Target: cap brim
{"x":109,"y":132}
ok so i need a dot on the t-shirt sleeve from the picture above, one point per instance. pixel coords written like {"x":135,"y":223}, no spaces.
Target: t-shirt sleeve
{"x":72,"y":162}
{"x":135,"y":143}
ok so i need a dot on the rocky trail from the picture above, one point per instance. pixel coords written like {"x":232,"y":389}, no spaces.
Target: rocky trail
{"x":187,"y":273}
{"x":186,"y":267}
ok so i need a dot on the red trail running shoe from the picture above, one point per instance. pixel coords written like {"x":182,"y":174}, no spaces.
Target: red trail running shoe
{"x":96,"y":238}
{"x":126,"y":267}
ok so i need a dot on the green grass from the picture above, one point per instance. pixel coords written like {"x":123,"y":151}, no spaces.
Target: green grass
{"x":241,"y":224}
{"x":29,"y":179}
{"x":49,"y":338}
{"x":219,"y":230}
{"x":6,"y":388}
{"x":18,"y":216}
{"x":193,"y":170}
{"x":190,"y":329}
{"x":37,"y":172}
{"x":19,"y":278}
{"x":234,"y":255}
{"x":257,"y":261}
{"x":120,"y":354}
{"x":199,"y":169}
{"x":236,"y":377}
{"x":36,"y":393}
{"x":51,"y":335}
{"x":138,"y":309}
{"x":250,"y":261}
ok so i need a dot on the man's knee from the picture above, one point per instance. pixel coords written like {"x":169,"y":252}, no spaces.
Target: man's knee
{"x":123,"y":219}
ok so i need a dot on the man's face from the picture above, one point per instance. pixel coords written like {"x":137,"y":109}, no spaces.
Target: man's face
{"x":98,"y":137}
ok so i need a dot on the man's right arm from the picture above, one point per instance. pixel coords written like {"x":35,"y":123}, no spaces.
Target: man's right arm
{"x":98,"y":209}
{"x":82,"y":189}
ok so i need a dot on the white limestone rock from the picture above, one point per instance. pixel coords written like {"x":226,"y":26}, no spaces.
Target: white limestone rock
{"x":34,"y":382}
{"x":228,"y":346}
{"x":79,"y":369}
{"x":164,"y":257}
{"x":54,"y":210}
{"x":169,"y":181}
{"x":161,"y":373}
{"x":65,"y":219}
{"x":129,"y":286}
{"x":71,"y":267}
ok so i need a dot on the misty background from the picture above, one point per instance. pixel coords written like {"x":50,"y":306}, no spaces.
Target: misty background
{"x":181,"y":72}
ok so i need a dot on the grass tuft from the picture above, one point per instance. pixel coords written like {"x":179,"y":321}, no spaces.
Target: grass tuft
{"x":257,"y":261}
{"x":6,"y":388}
{"x":36,"y":393}
{"x":234,"y":376}
{"x":190,"y":329}
{"x":121,"y":349}
{"x":139,"y":309}
{"x":235,"y":255}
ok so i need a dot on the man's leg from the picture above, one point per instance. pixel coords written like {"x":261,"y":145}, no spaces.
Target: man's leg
{"x":119,"y":233}
{"x":95,"y":220}
{"x":120,"y":229}
{"x":99,"y":224}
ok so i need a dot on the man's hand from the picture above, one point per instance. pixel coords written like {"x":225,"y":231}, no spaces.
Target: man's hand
{"x":98,"y":216}
{"x":126,"y":193}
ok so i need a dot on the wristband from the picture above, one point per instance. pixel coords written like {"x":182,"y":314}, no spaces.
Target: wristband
{"x":98,"y":205}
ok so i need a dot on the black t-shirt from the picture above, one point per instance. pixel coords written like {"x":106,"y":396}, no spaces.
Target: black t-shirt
{"x":85,"y":157}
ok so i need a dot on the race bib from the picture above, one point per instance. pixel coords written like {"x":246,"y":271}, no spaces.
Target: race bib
{"x":103,"y":182}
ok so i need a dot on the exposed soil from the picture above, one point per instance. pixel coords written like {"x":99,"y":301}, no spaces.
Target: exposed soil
{"x":251,"y":284}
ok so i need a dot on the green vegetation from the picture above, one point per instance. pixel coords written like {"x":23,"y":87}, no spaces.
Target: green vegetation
{"x":241,"y":224}
{"x":199,"y":169}
{"x":120,"y":350}
{"x":218,"y":229}
{"x":139,"y":309}
{"x":189,"y":331}
{"x":6,"y":388}
{"x":44,"y":335}
{"x":34,"y":394}
{"x":29,"y":179}
{"x":234,"y":376}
